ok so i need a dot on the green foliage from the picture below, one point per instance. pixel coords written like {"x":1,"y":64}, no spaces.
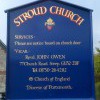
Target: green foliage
{"x":98,"y":50}
{"x":97,"y":64}
{"x":97,"y":73}
{"x":97,"y":85}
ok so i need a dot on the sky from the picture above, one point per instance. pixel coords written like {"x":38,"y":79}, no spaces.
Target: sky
{"x":92,"y":4}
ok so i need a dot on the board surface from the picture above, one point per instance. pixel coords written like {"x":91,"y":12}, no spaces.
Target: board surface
{"x":50,"y":52}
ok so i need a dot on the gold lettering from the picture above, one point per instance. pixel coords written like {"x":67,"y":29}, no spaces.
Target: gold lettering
{"x":62,"y":13}
{"x":43,"y":10}
{"x":21,"y":19}
{"x":25,"y":16}
{"x":59,"y":11}
{"x":74,"y":17}
{"x":30,"y":13}
{"x":79,"y":21}
{"x":38,"y":10}
{"x":70,"y":14}
{"x":17,"y":22}
{"x":52,"y":9}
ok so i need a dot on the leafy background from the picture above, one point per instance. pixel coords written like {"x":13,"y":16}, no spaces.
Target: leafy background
{"x":97,"y":73}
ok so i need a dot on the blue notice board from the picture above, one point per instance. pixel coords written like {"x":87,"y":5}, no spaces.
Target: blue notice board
{"x":50,"y":52}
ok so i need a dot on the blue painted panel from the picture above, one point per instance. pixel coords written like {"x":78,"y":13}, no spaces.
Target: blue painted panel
{"x":81,"y":79}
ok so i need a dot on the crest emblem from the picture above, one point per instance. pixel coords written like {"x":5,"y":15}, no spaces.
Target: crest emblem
{"x":49,"y":24}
